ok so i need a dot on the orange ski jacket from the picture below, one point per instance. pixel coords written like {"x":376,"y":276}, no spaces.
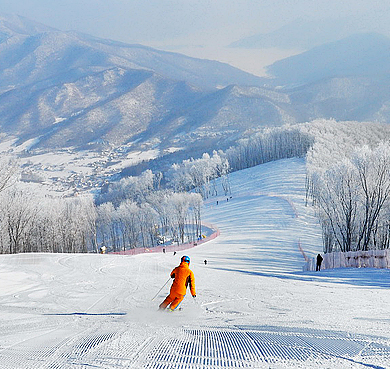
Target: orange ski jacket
{"x":183,"y":276}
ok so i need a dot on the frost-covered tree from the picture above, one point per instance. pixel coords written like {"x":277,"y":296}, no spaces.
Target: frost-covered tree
{"x":269,"y":144}
{"x":373,"y":167}
{"x":19,"y":215}
{"x":32,"y":223}
{"x":128,"y":218}
{"x":160,"y":203}
{"x":353,"y":197}
{"x":8,"y":172}
{"x":195,"y":204}
{"x":199,"y":174}
{"x":180,"y":204}
{"x":337,"y":198}
{"x":133,"y":188}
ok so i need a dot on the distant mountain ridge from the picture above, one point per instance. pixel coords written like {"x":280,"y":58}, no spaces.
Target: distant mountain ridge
{"x":80,"y":50}
{"x":365,"y":54}
{"x":305,"y":34}
{"x":68,"y":90}
{"x":15,"y":24}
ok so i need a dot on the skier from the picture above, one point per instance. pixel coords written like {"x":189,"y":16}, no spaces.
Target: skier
{"x":319,"y":262}
{"x":183,"y":276}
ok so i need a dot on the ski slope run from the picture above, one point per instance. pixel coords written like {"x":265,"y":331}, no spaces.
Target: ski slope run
{"x":255,"y":308}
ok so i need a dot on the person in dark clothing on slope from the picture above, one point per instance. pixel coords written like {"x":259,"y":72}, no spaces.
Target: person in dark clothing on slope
{"x":319,"y":262}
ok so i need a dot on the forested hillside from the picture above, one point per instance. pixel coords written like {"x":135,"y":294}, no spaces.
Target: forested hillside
{"x":347,"y":180}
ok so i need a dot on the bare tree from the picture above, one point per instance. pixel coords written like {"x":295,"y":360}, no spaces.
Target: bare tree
{"x":373,"y":168}
{"x":337,"y":198}
{"x":8,"y":172}
{"x":19,"y":215}
{"x":354,"y":200}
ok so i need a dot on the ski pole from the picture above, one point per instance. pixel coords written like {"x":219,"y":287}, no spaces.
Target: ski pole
{"x":161,"y":288}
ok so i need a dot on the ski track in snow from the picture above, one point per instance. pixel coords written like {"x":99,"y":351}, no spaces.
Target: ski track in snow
{"x":255,"y":307}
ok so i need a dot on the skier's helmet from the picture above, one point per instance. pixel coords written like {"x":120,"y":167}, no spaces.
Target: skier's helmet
{"x":185,"y":259}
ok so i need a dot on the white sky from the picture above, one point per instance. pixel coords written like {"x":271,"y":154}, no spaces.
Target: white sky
{"x":200,"y":25}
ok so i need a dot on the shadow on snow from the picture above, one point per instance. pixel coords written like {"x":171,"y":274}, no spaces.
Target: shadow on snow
{"x":364,"y":277}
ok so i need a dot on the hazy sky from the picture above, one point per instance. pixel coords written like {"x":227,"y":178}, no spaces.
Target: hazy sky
{"x":207,"y":24}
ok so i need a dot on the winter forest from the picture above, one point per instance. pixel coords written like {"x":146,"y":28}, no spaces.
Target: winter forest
{"x":348,"y":182}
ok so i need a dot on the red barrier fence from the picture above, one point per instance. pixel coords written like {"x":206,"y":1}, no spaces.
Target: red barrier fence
{"x":173,"y":247}
{"x":302,"y":252}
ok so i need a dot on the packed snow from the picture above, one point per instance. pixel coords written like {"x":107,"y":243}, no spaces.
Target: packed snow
{"x":255,"y":307}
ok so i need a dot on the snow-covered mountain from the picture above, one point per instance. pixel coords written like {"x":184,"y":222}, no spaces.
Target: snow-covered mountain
{"x":42,"y":53}
{"x":345,"y":80}
{"x":15,"y":24}
{"x":65,"y":90}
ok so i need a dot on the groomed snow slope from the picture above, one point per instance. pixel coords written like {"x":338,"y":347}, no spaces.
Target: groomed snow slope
{"x":255,"y":307}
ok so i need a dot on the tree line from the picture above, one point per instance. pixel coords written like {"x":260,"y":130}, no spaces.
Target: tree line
{"x":348,"y":180}
{"x":33,"y":223}
{"x":134,"y":211}
{"x":269,"y":144}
